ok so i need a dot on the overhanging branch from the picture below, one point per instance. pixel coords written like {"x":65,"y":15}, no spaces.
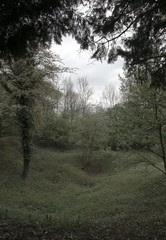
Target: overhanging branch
{"x":147,"y":160}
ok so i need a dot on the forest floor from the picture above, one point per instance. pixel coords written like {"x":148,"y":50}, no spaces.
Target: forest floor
{"x":116,"y":195}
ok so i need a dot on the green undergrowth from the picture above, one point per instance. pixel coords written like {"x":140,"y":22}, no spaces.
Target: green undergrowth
{"x":114,"y":189}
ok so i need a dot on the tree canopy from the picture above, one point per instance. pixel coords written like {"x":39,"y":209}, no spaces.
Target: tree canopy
{"x":27,"y":24}
{"x":134,"y":30}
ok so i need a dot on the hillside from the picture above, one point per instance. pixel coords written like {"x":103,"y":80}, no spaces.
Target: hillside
{"x":115,"y":196}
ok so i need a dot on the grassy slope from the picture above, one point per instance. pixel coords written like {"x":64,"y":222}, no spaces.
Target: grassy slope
{"x":114,"y":191}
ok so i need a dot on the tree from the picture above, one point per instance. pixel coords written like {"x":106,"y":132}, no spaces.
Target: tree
{"x":89,"y":133}
{"x":51,"y":130}
{"x":7,"y":115}
{"x":134,"y":30}
{"x":85,"y":92}
{"x":117,"y":128}
{"x":23,"y":80}
{"x":110,"y":96}
{"x":70,"y":100}
{"x":49,"y":98}
{"x":26,"y":25}
{"x":140,"y":119}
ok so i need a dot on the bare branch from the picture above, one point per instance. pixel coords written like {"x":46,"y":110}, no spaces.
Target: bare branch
{"x":157,"y":154}
{"x":147,"y":160}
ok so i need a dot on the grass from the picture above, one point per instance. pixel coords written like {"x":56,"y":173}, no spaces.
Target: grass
{"x":116,"y":195}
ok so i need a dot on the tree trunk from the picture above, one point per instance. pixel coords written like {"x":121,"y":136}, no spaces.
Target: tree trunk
{"x":26,"y":151}
{"x":25,"y":168}
{"x":160,"y":134}
{"x":0,"y":128}
{"x":162,"y":146}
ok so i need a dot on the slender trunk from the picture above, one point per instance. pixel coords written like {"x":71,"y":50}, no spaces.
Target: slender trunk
{"x":160,"y":134}
{"x":162,"y":146}
{"x":0,"y":128}
{"x":25,"y":119}
{"x":25,"y":168}
{"x":26,"y":145}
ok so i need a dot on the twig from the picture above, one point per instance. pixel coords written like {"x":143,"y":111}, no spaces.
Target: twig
{"x":157,"y":154}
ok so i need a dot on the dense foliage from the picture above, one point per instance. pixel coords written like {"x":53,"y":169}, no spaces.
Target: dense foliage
{"x":134,"y":30}
{"x":25,"y":25}
{"x":24,"y":80}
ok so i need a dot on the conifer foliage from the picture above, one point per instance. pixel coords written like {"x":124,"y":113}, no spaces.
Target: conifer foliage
{"x":27,"y":24}
{"x":134,"y":30}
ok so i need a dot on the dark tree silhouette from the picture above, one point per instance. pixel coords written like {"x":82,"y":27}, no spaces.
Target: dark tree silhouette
{"x":24,"y":25}
{"x":134,"y":30}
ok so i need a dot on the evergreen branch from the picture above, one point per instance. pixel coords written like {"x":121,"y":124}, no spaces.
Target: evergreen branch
{"x":124,"y":31}
{"x":129,"y":26}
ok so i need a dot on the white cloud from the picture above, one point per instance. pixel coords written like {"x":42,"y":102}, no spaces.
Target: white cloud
{"x":98,"y":73}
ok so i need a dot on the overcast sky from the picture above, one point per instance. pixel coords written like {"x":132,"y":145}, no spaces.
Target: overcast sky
{"x":98,"y":74}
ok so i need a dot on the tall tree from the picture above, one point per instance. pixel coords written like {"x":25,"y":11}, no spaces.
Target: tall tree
{"x":23,"y":80}
{"x":139,"y":122}
{"x":85,"y":93}
{"x":70,"y":100}
{"x":110,"y":96}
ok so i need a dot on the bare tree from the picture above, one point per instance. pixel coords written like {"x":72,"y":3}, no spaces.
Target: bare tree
{"x":85,"y":92}
{"x":110,"y":96}
{"x":70,"y":100}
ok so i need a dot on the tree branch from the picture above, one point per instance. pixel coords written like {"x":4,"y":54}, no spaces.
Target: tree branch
{"x":118,"y":36}
{"x":157,"y":154}
{"x":147,"y":160}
